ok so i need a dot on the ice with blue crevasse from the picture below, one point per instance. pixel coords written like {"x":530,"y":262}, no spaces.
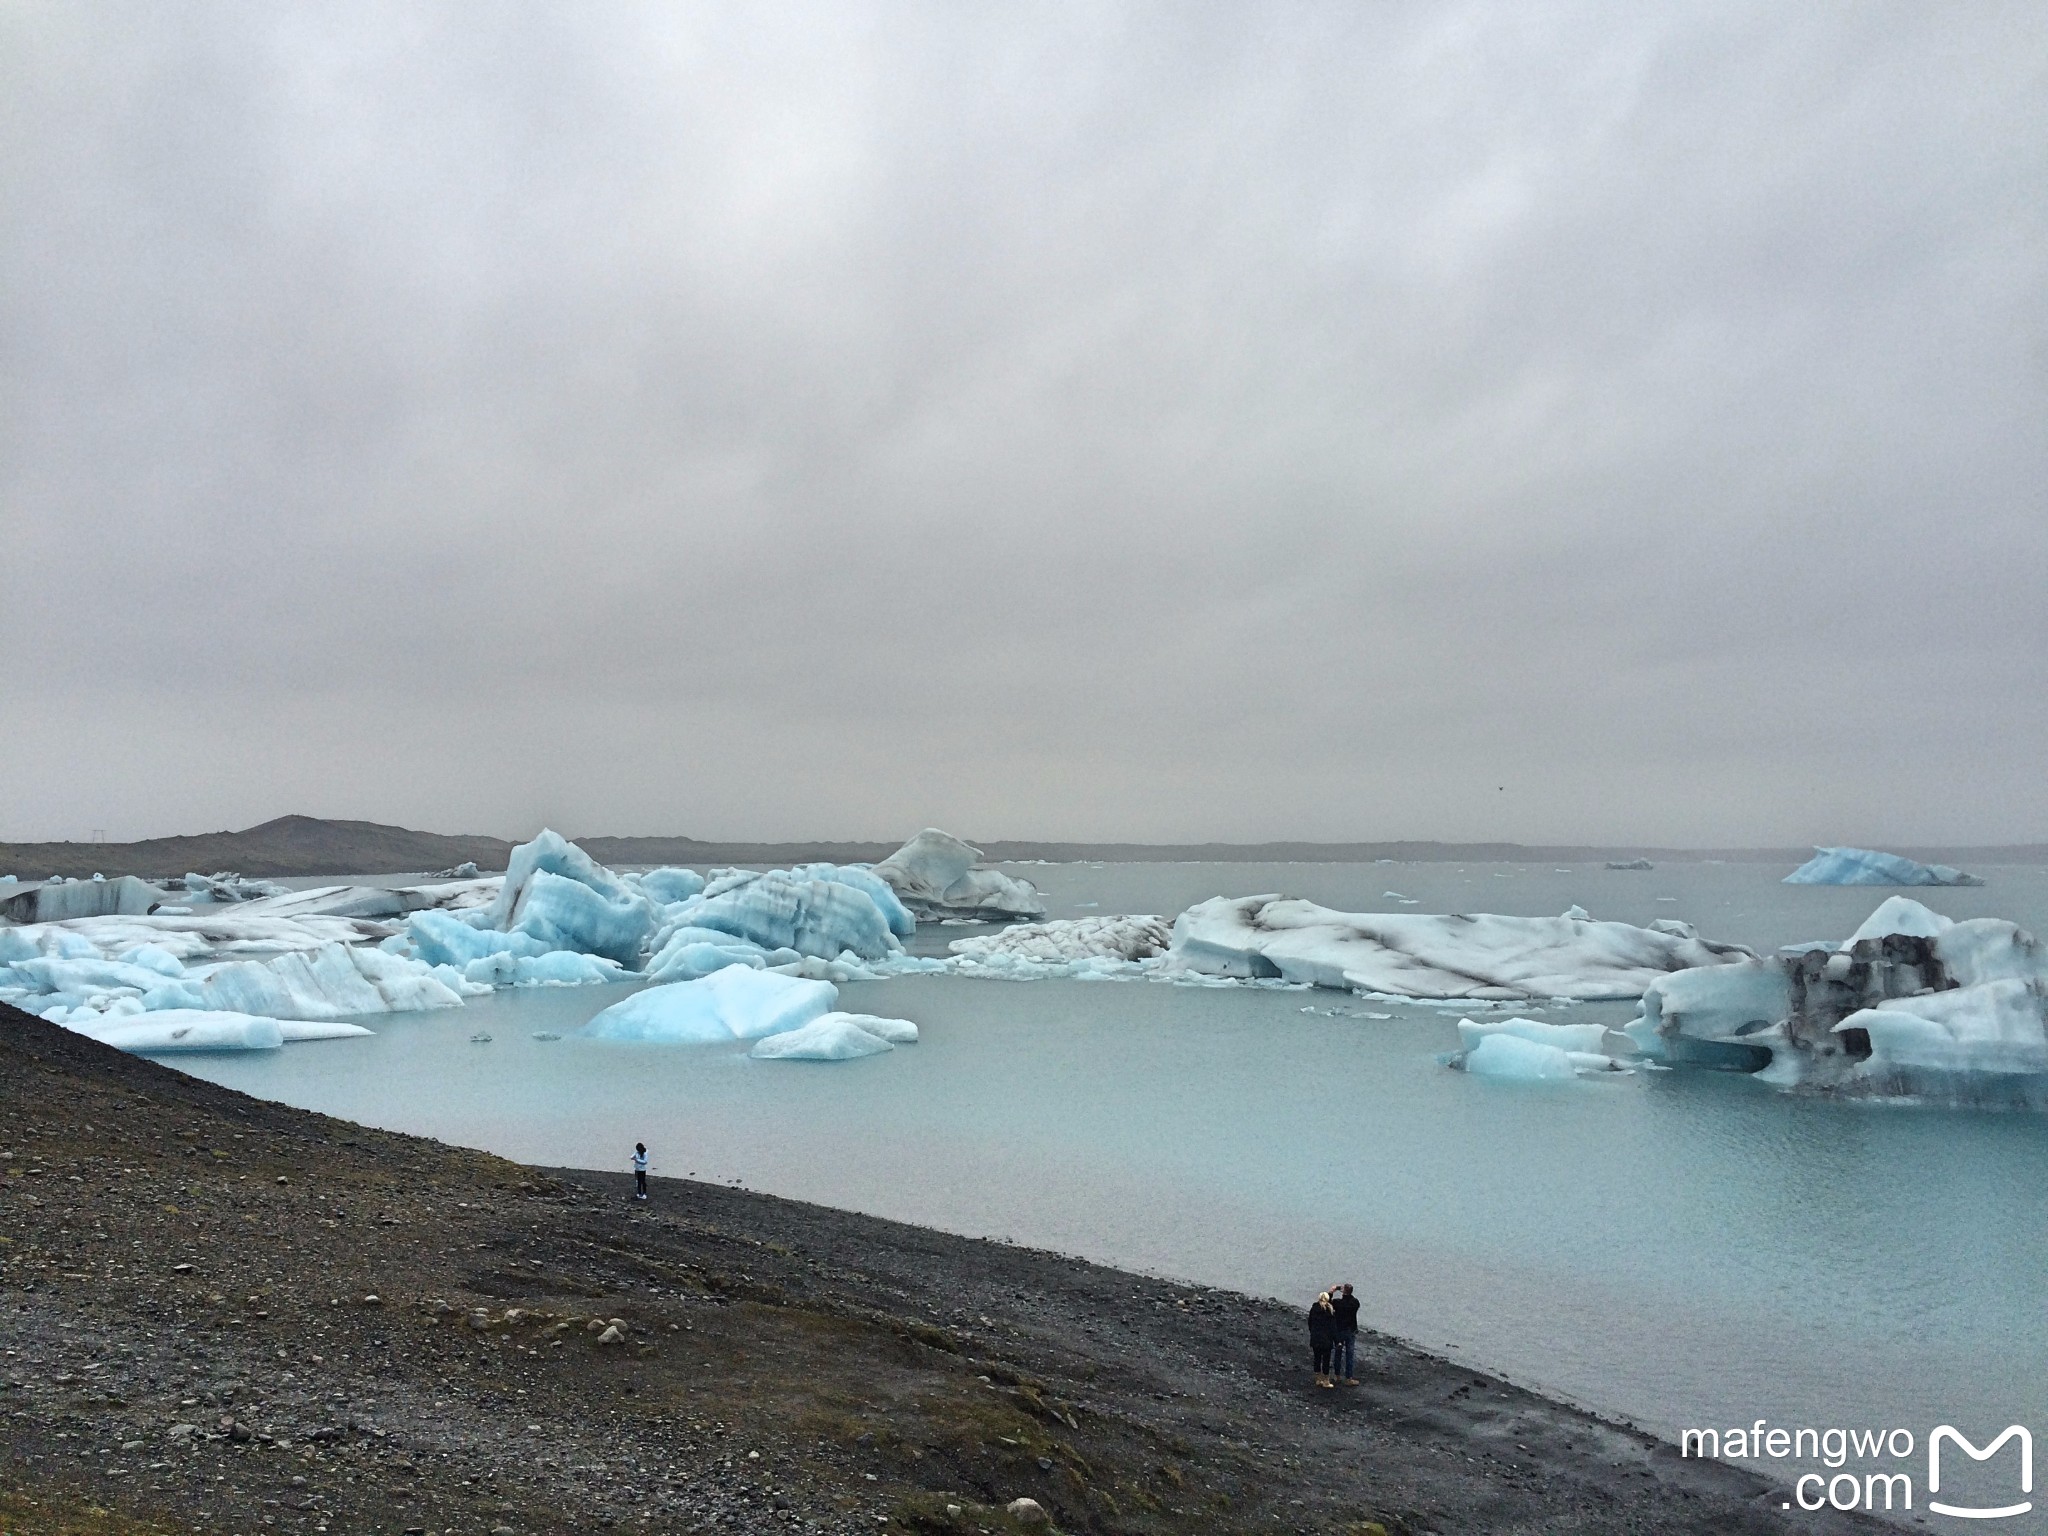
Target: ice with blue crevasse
{"x":1911,"y":1005}
{"x":1864,"y":866}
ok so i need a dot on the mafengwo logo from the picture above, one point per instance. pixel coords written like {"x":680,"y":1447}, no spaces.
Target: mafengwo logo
{"x":1882,"y":1477}
{"x":1945,"y":1433}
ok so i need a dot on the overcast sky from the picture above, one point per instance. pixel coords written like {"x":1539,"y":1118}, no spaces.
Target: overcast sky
{"x":1595,"y":422}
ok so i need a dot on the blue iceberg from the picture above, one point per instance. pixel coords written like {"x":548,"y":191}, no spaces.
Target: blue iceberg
{"x":1862,"y":866}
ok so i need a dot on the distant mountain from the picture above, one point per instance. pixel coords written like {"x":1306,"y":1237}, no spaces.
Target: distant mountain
{"x":290,"y":845}
{"x":309,"y":845}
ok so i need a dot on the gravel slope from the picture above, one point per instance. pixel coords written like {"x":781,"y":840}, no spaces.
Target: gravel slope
{"x":224,"y":1315}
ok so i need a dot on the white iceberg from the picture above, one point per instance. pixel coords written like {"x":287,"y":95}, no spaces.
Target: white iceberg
{"x":1135,"y":937}
{"x":227,"y":886}
{"x":1503,"y":1048}
{"x":1423,"y":956}
{"x":935,"y":874}
{"x":332,"y":982}
{"x":376,"y":901}
{"x":1912,"y":1005}
{"x":1584,"y":1039}
{"x":56,"y":901}
{"x":185,"y":1030}
{"x":1863,"y":866}
{"x":154,"y":964}
{"x":1517,"y":1059}
{"x":836,"y":1037}
{"x":1079,"y":947}
{"x":735,"y":1003}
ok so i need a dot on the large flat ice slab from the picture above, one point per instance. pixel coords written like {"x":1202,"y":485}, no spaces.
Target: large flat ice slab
{"x":1481,"y":955}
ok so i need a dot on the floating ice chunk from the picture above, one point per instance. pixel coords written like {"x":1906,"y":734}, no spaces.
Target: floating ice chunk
{"x":895,"y":1031}
{"x":1418,"y":956}
{"x":1630,"y":864}
{"x":1993,"y":1028}
{"x":553,"y":854}
{"x":454,"y":895}
{"x":227,"y":886}
{"x":152,"y":957}
{"x":1583,"y":1038}
{"x":212,"y":934}
{"x":187,"y":1030}
{"x":440,"y":938}
{"x":298,"y":1030}
{"x":863,"y":878}
{"x":688,"y":956}
{"x":1578,"y":914}
{"x":736,"y":1003}
{"x":556,"y":968}
{"x":935,"y":873}
{"x":331,"y":982}
{"x":813,"y":917}
{"x":1903,"y":915}
{"x":1512,"y":1057}
{"x":847,"y":967}
{"x":668,"y":886}
{"x":1705,"y":1017}
{"x":834,"y":1037}
{"x":54,"y":975}
{"x":1914,"y":1004}
{"x":567,"y":914}
{"x":1069,"y":939}
{"x":50,"y":902}
{"x":335,"y":901}
{"x":1862,"y":866}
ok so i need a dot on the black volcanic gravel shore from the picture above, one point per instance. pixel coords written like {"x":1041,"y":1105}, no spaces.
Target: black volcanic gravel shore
{"x":225,"y":1315}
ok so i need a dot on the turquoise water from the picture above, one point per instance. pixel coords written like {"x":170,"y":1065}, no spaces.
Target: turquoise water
{"x":1683,"y":1249}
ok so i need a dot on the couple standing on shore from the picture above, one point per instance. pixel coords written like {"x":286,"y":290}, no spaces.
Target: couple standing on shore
{"x":1333,"y":1336}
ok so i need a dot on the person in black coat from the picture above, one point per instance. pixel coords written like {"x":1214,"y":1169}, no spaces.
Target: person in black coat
{"x":1344,"y":1353}
{"x":1322,"y":1337}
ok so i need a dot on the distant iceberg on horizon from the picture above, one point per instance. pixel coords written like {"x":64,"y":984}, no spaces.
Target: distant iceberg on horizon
{"x":1864,"y":866}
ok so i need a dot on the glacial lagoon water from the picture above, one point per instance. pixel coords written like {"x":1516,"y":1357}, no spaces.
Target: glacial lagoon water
{"x":1680,"y":1248}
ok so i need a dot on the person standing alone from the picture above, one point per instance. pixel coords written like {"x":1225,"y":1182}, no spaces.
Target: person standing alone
{"x":1344,"y":1357}
{"x":640,"y":1173}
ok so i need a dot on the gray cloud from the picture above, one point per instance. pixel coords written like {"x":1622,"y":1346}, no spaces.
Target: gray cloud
{"x":1125,"y":421}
